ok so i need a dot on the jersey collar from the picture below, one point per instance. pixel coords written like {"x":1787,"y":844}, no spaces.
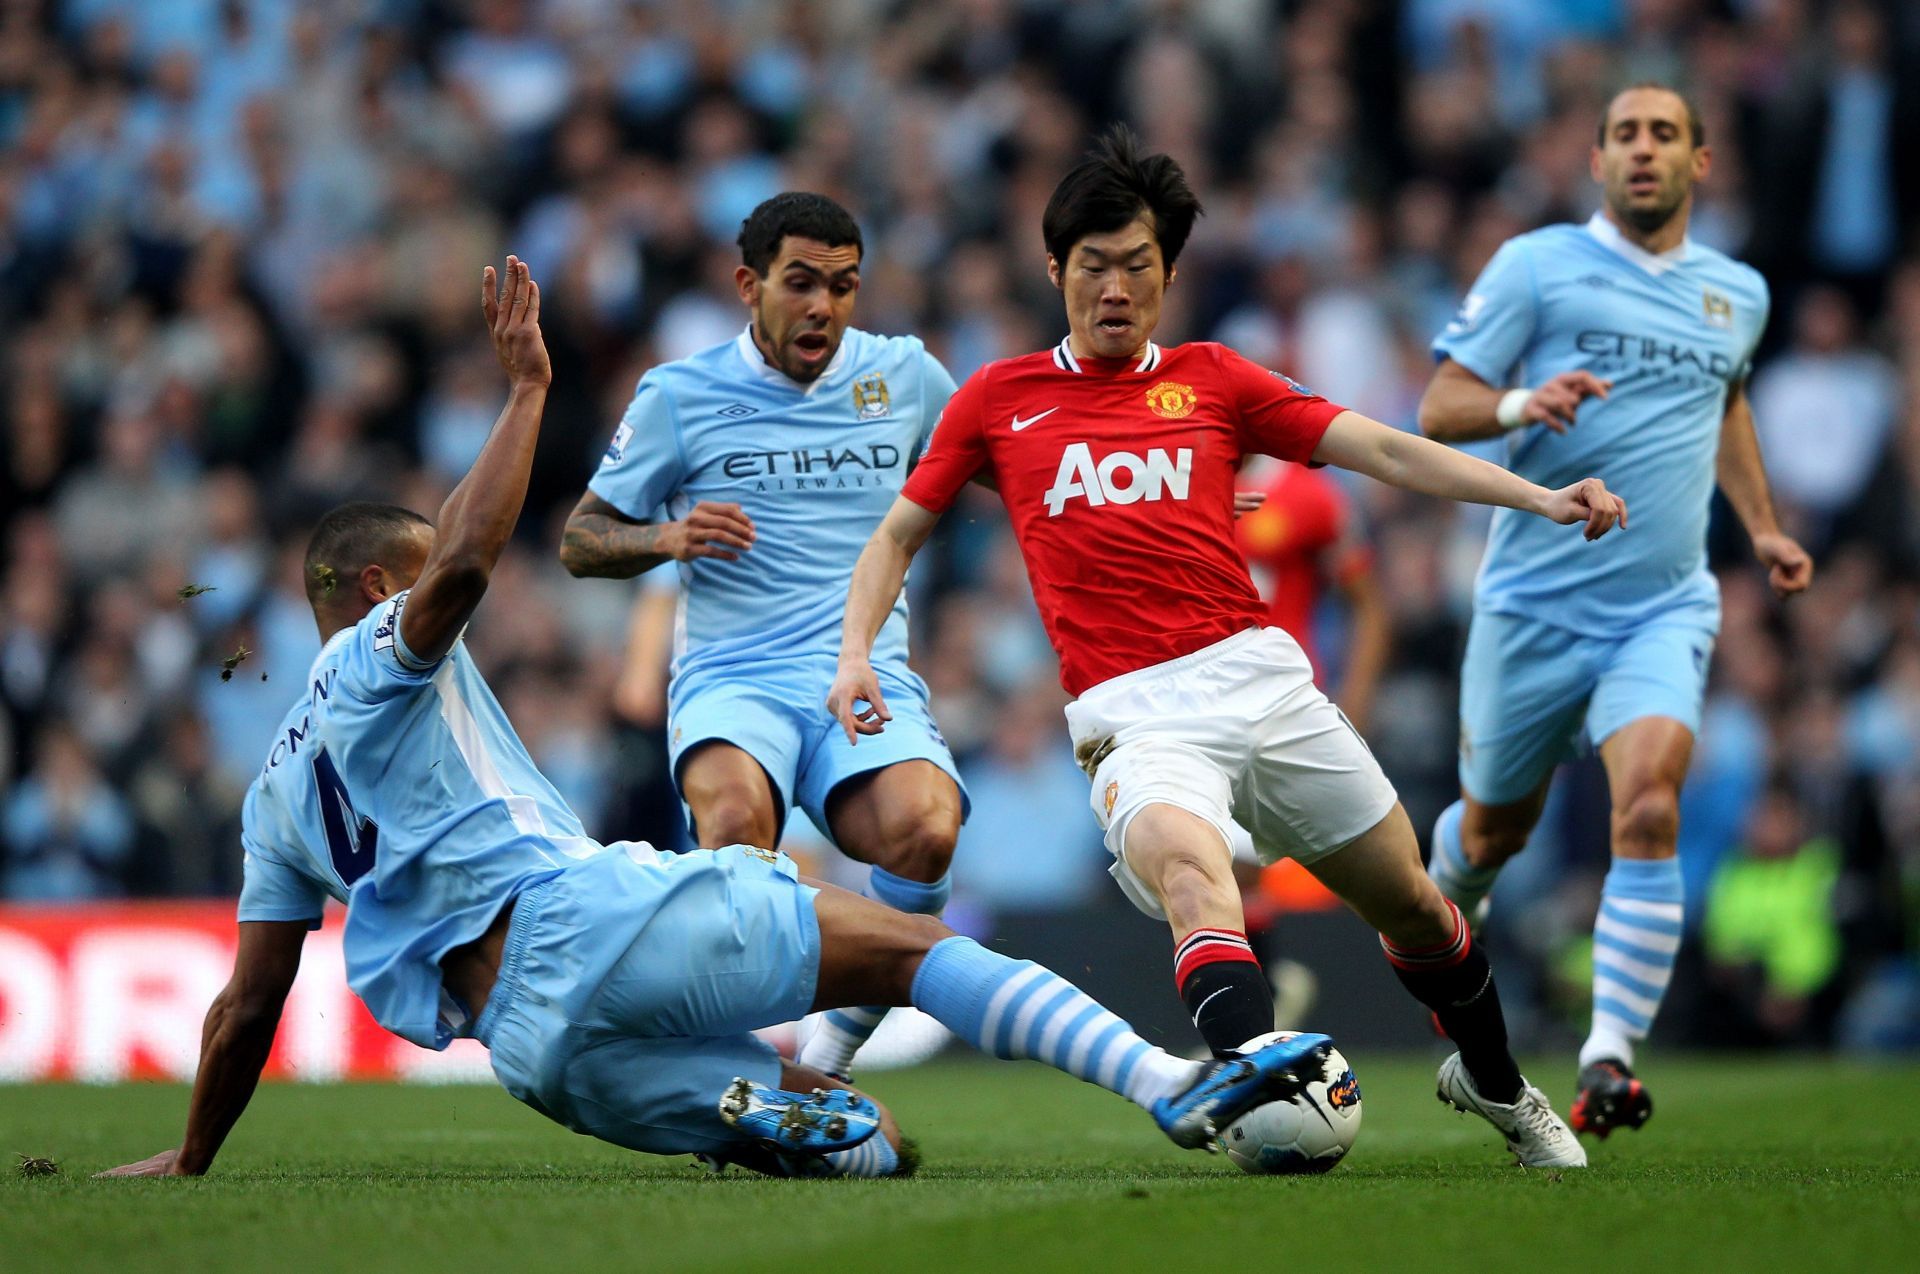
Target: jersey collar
{"x":1654,"y":263}
{"x":758,"y":366}
{"x":1063,"y":357}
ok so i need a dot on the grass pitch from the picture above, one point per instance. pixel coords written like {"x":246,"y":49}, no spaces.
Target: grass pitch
{"x":1747,"y":1165}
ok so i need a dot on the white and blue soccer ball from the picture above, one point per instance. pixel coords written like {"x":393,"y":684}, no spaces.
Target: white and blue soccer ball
{"x":1309,"y":1134}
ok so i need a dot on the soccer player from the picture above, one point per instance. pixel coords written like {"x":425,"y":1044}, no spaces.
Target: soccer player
{"x":1116,"y":460}
{"x":1619,"y":345}
{"x":774,"y":456}
{"x":614,"y":985}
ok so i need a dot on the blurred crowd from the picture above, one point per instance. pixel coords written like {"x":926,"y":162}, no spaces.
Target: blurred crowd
{"x":240,"y":242}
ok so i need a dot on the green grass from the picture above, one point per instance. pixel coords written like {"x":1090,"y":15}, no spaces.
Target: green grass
{"x":1749,"y":1165}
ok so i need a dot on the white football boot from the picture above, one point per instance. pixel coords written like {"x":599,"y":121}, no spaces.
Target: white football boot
{"x":1537,"y":1136}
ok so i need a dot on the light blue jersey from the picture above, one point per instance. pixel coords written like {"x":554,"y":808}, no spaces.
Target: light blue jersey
{"x":815,"y":466}
{"x":1674,"y":333}
{"x":399,"y":788}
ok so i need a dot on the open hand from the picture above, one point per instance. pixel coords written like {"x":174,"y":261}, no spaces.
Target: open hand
{"x":512,"y":308}
{"x":1789,"y":568}
{"x":857,"y":683}
{"x":160,"y":1165}
{"x":1589,"y":501}
{"x":1554,"y":402}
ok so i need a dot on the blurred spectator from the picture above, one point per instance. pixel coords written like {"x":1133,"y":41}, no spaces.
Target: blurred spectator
{"x":1770,"y":933}
{"x":68,"y":833}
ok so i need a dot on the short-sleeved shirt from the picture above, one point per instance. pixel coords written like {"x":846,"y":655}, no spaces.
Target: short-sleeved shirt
{"x":398,"y":787}
{"x":1674,"y":333}
{"x":1118,"y":479}
{"x":816,"y":466}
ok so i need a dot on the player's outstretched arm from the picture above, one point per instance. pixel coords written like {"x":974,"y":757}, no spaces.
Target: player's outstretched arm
{"x":1744,"y":479}
{"x":234,"y":1045}
{"x":877,"y":580}
{"x":603,"y":542}
{"x":1460,"y":407}
{"x":478,"y":518}
{"x":1399,"y":459}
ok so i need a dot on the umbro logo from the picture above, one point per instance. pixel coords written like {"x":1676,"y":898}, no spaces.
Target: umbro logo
{"x":1019,"y":424}
{"x":738,"y":411}
{"x":1596,"y":281}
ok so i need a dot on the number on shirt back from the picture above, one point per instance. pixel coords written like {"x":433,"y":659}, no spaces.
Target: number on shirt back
{"x":350,"y":838}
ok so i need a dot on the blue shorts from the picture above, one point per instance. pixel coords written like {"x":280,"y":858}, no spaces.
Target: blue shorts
{"x":785,"y":727}
{"x":1532,"y":693}
{"x":629,"y":982}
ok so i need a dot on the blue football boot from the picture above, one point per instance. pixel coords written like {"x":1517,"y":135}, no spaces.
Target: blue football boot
{"x":1227,"y":1089}
{"x":814,"y":1123}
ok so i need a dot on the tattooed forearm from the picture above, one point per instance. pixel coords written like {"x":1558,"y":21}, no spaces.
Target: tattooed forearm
{"x":597,"y":545}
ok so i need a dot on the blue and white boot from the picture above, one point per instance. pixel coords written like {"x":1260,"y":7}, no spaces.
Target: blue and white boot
{"x":813,"y":1123}
{"x":1226,"y":1090}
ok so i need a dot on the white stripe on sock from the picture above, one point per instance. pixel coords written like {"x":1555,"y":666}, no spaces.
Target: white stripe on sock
{"x":997,"y":1006}
{"x":1638,"y":970}
{"x":1075,"y":1062}
{"x":1604,"y":985}
{"x":1045,"y":1000}
{"x":1642,"y":907}
{"x":1667,"y":943}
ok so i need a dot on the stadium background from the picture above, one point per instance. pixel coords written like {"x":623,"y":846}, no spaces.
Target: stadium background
{"x":238,"y":249}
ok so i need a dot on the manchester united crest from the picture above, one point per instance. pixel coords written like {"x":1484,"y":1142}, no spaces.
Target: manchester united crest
{"x":1172,"y":399}
{"x":870,"y":398}
{"x":1113,"y":794}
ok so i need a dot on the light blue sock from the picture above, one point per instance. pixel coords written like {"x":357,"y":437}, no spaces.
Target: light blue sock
{"x":1635,"y":939}
{"x":841,"y":1032}
{"x":1016,"y":1008}
{"x":1462,"y":882}
{"x":874,"y":1157}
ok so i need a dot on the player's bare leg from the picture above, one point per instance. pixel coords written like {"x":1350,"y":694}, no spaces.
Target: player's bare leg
{"x":1426,"y":939}
{"x":870,"y":954}
{"x":730,"y":795}
{"x":1637,"y":933}
{"x":902,"y":819}
{"x":1183,"y":860}
{"x":1473,"y":840}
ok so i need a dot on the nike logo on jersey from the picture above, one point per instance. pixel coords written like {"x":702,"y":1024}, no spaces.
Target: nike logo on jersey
{"x":1019,"y":424}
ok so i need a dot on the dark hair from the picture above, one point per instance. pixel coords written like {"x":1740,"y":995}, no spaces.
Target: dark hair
{"x":352,"y":537}
{"x":1114,"y":184}
{"x":1694,"y":123}
{"x":796,"y":212}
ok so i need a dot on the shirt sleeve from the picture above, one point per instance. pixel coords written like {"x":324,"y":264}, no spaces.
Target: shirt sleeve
{"x":1278,"y":416}
{"x":957,"y":451}
{"x":1759,"y":330}
{"x":936,"y":389}
{"x":377,"y":664}
{"x":270,"y":889}
{"x":1490,"y":333}
{"x":645,"y":463}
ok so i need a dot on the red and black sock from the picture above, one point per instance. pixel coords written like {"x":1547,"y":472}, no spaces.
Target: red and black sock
{"x":1456,"y":982}
{"x":1226,"y":992}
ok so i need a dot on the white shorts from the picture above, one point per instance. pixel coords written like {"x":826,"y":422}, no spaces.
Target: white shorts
{"x":1235,"y":731}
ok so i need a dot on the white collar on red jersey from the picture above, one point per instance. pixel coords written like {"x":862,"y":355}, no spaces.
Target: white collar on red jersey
{"x":757,"y":364}
{"x":1063,"y":357}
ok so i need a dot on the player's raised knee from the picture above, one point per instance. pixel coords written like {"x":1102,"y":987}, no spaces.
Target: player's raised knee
{"x":922,"y":849}
{"x":731,"y":818}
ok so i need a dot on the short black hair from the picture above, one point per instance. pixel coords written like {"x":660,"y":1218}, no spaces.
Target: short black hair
{"x":796,"y":212}
{"x":352,"y":537}
{"x":1695,"y":124}
{"x":1114,"y":184}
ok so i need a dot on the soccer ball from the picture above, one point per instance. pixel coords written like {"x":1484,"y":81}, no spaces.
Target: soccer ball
{"x":1309,"y":1134}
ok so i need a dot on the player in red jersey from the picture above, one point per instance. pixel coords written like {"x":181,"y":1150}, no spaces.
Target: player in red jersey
{"x":1116,"y":460}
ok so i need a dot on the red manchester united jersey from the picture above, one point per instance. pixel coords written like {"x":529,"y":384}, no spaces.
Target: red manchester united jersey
{"x":1118,"y":478}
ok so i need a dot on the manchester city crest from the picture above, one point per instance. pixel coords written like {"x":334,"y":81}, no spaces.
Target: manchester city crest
{"x":1716,"y":308}
{"x":870,"y":398}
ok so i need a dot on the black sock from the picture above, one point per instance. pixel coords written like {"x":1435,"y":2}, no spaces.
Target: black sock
{"x":1456,"y":982}
{"x":1226,"y":992}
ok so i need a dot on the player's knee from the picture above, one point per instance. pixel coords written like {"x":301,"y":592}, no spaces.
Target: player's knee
{"x":1491,"y":844}
{"x":1421,"y":919}
{"x":920,"y":850}
{"x":1651,"y":819}
{"x":730,"y":818}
